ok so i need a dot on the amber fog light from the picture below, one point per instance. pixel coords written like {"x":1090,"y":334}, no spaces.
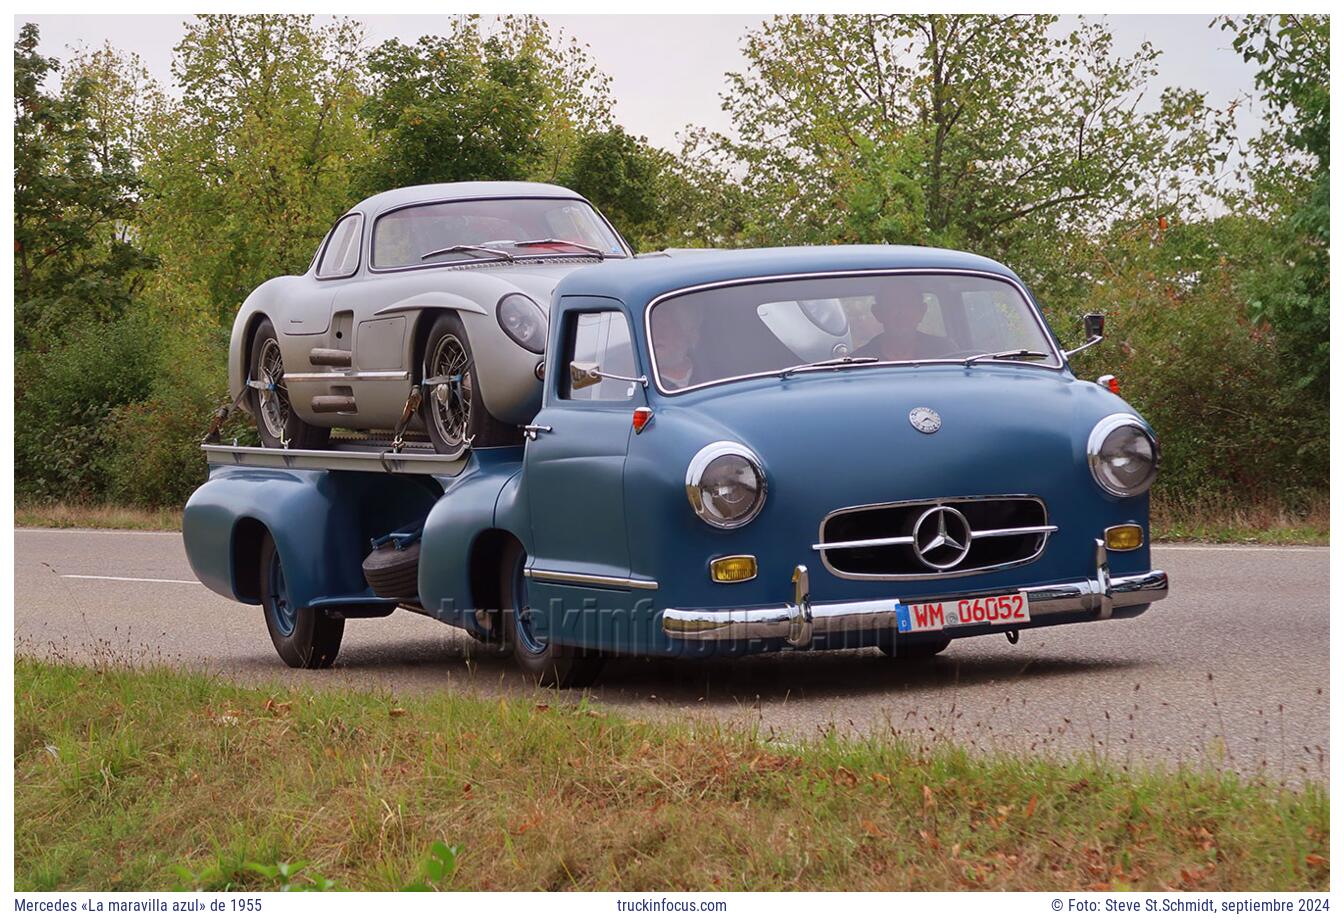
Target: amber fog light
{"x":1124,"y":536}
{"x":728,"y":569}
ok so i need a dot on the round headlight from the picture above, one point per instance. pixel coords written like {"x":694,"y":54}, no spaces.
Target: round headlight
{"x":726,"y":485}
{"x":1123,"y":455}
{"x":522,"y":320}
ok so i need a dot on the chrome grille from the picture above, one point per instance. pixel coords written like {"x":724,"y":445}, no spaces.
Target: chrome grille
{"x":934,"y":538}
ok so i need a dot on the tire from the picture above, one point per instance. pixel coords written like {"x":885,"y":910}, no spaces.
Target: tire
{"x":305,"y":637}
{"x":548,"y":664}
{"x":393,"y":572}
{"x":460,"y":415}
{"x":913,"y":649}
{"x":277,"y":423}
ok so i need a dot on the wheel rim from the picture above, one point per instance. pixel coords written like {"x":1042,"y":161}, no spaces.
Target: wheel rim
{"x":451,"y":416}
{"x":273,"y":400}
{"x":524,"y":630}
{"x":278,"y":599}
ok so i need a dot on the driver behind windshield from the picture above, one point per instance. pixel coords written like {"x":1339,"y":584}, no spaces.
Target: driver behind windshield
{"x":900,"y":313}
{"x":676,"y":333}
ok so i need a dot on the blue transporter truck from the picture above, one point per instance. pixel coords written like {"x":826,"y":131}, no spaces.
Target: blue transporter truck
{"x":733,"y":452}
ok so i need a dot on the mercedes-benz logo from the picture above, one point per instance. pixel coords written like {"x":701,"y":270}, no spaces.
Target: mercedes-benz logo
{"x":942,"y":537}
{"x":925,"y":419}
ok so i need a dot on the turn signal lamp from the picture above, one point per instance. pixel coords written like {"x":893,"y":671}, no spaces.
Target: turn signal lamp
{"x":729,"y":569}
{"x":1124,"y":537}
{"x":643,"y":415}
{"x":1109,"y":382}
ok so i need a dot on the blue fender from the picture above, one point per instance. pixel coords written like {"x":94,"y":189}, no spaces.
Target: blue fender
{"x":464,"y":523}
{"x":321,"y":522}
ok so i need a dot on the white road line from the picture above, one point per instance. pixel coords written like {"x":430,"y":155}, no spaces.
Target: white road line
{"x":162,"y":581}
{"x":112,"y":532}
{"x":1235,"y":548}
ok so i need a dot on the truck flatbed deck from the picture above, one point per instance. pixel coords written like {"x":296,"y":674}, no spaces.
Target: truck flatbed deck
{"x":369,"y":456}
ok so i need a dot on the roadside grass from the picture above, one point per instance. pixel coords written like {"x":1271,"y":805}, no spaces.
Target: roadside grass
{"x":151,"y":779}
{"x":1266,"y":521}
{"x":99,"y":516}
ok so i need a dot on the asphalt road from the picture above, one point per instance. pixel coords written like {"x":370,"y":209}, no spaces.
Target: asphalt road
{"x":1232,"y":670}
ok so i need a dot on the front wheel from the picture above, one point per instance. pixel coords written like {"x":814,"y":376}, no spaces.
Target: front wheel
{"x":454,"y":412}
{"x":548,"y":664}
{"x":305,"y":637}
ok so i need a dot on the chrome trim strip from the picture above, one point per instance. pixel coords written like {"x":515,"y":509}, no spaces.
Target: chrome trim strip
{"x":1046,"y":530}
{"x":338,"y":376}
{"x":855,"y":273}
{"x":1100,"y":596}
{"x":353,"y":459}
{"x":597,"y":581}
{"x":904,"y":541}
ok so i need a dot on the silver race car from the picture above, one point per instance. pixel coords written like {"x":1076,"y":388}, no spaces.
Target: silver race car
{"x":445,"y":287}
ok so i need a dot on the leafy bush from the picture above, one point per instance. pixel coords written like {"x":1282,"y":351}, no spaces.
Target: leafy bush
{"x":64,"y":400}
{"x":157,"y":460}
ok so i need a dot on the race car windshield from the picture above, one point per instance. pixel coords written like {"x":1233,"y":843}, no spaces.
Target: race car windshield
{"x":835,"y":324}
{"x":456,"y":231}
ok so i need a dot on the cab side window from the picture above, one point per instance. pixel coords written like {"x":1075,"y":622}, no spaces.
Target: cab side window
{"x":341,"y":257}
{"x":604,"y":338}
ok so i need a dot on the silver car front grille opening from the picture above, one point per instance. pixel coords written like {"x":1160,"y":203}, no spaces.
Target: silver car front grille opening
{"x":934,"y":538}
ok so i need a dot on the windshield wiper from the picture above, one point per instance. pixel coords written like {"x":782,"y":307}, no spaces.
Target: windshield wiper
{"x":1022,"y":354}
{"x":528,"y":244}
{"x":846,"y":361}
{"x":467,"y":247}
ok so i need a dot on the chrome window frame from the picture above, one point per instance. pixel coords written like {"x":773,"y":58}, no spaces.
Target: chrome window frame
{"x":326,"y":244}
{"x":1059,"y":365}
{"x":373,"y":233}
{"x":933,"y":575}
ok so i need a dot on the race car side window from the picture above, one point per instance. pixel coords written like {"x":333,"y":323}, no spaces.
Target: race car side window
{"x":341,"y":257}
{"x":602,"y":337}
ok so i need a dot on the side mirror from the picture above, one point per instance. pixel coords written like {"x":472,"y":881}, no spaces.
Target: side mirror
{"x":583,"y":374}
{"x":1094,"y":325}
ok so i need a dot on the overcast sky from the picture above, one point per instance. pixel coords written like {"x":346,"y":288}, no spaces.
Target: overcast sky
{"x":667,"y":71}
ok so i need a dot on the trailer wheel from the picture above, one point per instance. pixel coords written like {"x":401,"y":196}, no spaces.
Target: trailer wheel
{"x":914,"y":649}
{"x":305,"y":637}
{"x":278,"y":424}
{"x":549,"y":664}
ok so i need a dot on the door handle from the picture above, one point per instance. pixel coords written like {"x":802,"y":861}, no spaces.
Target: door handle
{"x":533,"y":430}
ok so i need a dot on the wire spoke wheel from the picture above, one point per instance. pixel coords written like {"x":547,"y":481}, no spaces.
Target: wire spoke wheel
{"x":450,"y":407}
{"x":273,"y":401}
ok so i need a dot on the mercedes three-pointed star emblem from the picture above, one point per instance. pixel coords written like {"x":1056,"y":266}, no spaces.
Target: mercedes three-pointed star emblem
{"x":925,"y":420}
{"x":942,"y":537}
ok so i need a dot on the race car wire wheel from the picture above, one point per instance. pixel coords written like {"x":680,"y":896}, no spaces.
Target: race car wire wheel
{"x":450,"y":407}
{"x":273,"y":400}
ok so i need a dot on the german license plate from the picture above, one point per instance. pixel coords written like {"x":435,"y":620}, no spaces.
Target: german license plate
{"x":996,"y":610}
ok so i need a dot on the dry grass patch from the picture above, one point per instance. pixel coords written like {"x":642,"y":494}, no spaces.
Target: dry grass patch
{"x":101,"y":516}
{"x":1266,"y":520}
{"x":138,"y":779}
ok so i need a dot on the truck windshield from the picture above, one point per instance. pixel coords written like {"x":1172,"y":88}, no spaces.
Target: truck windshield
{"x":757,"y":328}
{"x":516,"y":228}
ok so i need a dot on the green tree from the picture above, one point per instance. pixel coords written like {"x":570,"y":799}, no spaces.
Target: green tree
{"x":620,"y":175}
{"x":993,"y":133}
{"x":254,"y":161}
{"x":76,"y":196}
{"x":1289,"y":287}
{"x":476,"y":103}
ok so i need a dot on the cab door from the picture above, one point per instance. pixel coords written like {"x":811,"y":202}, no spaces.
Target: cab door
{"x":574,"y":465}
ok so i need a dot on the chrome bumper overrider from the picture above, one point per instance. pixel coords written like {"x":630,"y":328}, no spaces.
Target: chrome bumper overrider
{"x":799,"y":622}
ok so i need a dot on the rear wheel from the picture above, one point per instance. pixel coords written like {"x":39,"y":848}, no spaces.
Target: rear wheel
{"x":277,"y":423}
{"x":454,"y":412}
{"x":549,"y":664}
{"x":913,"y":649}
{"x":305,"y":637}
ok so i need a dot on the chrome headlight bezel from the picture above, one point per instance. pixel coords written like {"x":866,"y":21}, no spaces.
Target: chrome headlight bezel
{"x":1096,"y":440}
{"x":695,"y":472}
{"x":511,"y":304}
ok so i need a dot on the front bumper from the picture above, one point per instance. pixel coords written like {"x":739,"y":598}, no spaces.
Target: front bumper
{"x":799,"y":623}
